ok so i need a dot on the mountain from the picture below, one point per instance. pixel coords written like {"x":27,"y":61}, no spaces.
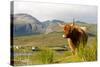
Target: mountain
{"x":53,"y":26}
{"x":26,"y":24}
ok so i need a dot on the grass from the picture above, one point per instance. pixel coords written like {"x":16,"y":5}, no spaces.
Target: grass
{"x":89,"y":53}
{"x":48,"y":56}
{"x":52,"y":39}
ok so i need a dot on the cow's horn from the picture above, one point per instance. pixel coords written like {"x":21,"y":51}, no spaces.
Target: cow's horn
{"x":73,"y":21}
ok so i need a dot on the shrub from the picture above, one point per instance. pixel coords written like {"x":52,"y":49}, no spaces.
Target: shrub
{"x":89,"y":53}
{"x":46,"y":56}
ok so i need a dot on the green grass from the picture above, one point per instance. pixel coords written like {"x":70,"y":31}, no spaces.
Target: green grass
{"x":89,"y":53}
{"x":47,"y":56}
{"x":51,"y":39}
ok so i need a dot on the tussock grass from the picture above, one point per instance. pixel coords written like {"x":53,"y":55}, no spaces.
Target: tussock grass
{"x":46,"y":56}
{"x":89,"y":53}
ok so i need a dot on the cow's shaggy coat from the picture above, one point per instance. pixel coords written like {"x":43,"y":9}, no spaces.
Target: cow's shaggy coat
{"x":75,"y":35}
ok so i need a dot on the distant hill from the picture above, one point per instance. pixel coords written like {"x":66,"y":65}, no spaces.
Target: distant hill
{"x":91,"y":28}
{"x":25,"y":24}
{"x":53,"y":26}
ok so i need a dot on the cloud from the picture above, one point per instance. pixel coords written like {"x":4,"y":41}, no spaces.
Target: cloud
{"x":48,"y":11}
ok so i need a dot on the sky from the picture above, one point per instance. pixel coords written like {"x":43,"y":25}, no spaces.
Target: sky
{"x":50,"y":11}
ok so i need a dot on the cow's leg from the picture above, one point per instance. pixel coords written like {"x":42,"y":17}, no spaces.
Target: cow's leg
{"x":71,"y":46}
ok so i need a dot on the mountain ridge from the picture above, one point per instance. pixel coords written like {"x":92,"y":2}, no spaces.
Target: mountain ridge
{"x":27,"y":24}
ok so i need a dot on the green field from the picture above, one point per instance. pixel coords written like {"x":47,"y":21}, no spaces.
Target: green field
{"x":25,"y":55}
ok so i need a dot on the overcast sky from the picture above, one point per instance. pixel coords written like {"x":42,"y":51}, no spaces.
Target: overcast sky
{"x":50,"y":11}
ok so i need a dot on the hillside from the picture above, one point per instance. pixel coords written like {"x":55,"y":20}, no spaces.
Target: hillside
{"x":25,"y":24}
{"x":91,"y":28}
{"x":53,"y":26}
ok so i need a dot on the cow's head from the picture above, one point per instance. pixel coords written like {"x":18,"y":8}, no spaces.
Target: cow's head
{"x":68,"y":30}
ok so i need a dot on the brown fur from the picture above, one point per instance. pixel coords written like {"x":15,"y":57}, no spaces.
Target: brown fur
{"x":75,"y":36}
